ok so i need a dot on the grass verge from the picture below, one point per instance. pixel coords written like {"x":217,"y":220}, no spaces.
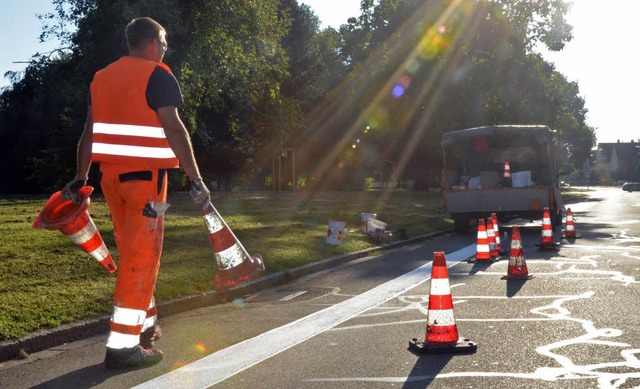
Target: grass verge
{"x":45,"y":281}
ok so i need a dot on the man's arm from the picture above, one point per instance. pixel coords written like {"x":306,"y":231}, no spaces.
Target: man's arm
{"x":84,"y":149}
{"x":83,"y":160}
{"x":179,"y":140}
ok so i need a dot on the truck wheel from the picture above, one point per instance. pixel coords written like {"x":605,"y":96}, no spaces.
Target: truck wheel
{"x":461,"y":224}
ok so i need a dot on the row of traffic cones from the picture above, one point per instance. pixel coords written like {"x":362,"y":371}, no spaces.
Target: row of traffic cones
{"x":442,"y":332}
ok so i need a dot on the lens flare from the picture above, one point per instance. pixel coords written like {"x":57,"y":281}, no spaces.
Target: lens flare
{"x":178,"y":364}
{"x":200,"y":347}
{"x":239,"y":302}
{"x":397,"y":91}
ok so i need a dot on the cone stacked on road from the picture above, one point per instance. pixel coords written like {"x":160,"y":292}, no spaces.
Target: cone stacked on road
{"x":74,"y":221}
{"x":234,"y":265}
{"x":570,"y":229}
{"x":546,"y":239}
{"x":496,"y":228}
{"x":517,"y":269}
{"x":491,"y":239}
{"x":482,"y":246}
{"x":506,"y":178}
{"x":442,"y":331}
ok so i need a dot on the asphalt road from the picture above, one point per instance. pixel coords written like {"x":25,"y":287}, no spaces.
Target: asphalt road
{"x":574,"y":325}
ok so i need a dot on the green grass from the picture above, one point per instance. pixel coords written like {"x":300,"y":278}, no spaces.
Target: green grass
{"x":46,"y":281}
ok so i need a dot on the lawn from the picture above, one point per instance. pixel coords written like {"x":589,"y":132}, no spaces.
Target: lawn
{"x":46,"y":281}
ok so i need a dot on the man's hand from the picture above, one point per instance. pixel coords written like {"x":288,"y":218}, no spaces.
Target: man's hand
{"x":199,"y":193}
{"x":70,"y":191}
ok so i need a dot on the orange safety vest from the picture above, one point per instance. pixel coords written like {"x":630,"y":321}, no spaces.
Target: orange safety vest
{"x":125,"y":130}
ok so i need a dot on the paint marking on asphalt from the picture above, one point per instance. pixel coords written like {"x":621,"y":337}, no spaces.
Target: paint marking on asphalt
{"x":232,"y":360}
{"x":293,"y":295}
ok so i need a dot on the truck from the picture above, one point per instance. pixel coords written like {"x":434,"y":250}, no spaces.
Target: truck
{"x":511,"y":170}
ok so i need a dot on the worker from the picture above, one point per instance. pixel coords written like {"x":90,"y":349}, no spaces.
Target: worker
{"x":133,"y":130}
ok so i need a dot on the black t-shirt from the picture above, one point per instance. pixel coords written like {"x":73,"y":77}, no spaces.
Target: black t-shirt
{"x":163,"y":90}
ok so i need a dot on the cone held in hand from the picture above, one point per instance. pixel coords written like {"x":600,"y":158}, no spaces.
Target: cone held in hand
{"x":234,"y":265}
{"x":517,"y":269}
{"x":442,"y":331}
{"x":74,"y":221}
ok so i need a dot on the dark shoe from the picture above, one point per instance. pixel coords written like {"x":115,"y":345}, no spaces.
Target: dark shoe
{"x":149,"y":337}
{"x":134,"y":356}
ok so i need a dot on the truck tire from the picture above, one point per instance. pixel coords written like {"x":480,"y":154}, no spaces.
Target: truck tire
{"x":461,"y":224}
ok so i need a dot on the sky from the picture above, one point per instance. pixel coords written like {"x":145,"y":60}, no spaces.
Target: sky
{"x":602,"y":57}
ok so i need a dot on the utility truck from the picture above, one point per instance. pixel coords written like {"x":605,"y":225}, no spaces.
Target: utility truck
{"x":474,"y":183}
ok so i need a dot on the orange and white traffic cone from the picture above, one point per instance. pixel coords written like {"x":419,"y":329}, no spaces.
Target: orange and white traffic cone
{"x":482,"y":246}
{"x":234,"y":265}
{"x":506,"y":178}
{"x":496,"y":228}
{"x":546,"y":239}
{"x":517,"y":269}
{"x":570,"y":229}
{"x":74,"y":222}
{"x":442,"y":331}
{"x":491,"y":239}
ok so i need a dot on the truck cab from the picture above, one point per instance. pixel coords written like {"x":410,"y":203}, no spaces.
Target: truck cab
{"x":508,"y":169}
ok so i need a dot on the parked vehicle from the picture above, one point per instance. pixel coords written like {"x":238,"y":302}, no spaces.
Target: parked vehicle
{"x":631,"y":186}
{"x":473,"y":180}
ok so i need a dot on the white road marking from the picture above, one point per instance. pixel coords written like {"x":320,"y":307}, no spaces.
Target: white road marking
{"x":293,"y":295}
{"x":225,"y":363}
{"x":608,"y":373}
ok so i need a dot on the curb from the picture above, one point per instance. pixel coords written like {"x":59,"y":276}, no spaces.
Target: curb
{"x":67,"y":333}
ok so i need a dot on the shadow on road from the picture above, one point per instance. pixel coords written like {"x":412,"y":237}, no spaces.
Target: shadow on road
{"x":86,"y":377}
{"x":425,"y":369}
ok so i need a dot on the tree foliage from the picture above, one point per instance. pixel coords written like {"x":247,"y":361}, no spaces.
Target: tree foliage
{"x":261,"y":76}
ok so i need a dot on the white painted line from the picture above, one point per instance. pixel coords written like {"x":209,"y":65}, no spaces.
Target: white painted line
{"x":225,"y":363}
{"x":293,"y":295}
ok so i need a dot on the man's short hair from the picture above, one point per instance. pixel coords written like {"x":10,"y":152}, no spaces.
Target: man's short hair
{"x":141,"y":30}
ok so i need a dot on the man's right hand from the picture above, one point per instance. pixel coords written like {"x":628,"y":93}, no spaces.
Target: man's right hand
{"x":200,"y":193}
{"x":70,"y":191}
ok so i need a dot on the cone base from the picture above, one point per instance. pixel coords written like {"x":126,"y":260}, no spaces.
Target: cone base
{"x":571,"y":236}
{"x":519,"y":277}
{"x":462,"y":346}
{"x":481,"y":260}
{"x":551,"y":246}
{"x":246,"y":271}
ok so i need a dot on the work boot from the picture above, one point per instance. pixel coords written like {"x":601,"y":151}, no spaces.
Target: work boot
{"x":132,"y":356}
{"x":149,"y":337}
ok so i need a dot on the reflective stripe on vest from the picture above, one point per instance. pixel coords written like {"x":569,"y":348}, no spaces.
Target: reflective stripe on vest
{"x":128,"y":140}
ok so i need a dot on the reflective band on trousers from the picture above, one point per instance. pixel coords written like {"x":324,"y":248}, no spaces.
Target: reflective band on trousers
{"x":128,"y":316}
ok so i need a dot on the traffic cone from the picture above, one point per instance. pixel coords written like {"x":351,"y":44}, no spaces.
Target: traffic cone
{"x":482,"y":246}
{"x":546,"y":240}
{"x":506,"y":178}
{"x":570,"y":229}
{"x":517,"y":269}
{"x":491,"y":239}
{"x":496,"y":228}
{"x":442,"y":332}
{"x":74,"y":221}
{"x":234,"y":265}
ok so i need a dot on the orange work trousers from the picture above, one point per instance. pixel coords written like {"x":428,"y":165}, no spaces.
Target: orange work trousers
{"x":135,"y":200}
